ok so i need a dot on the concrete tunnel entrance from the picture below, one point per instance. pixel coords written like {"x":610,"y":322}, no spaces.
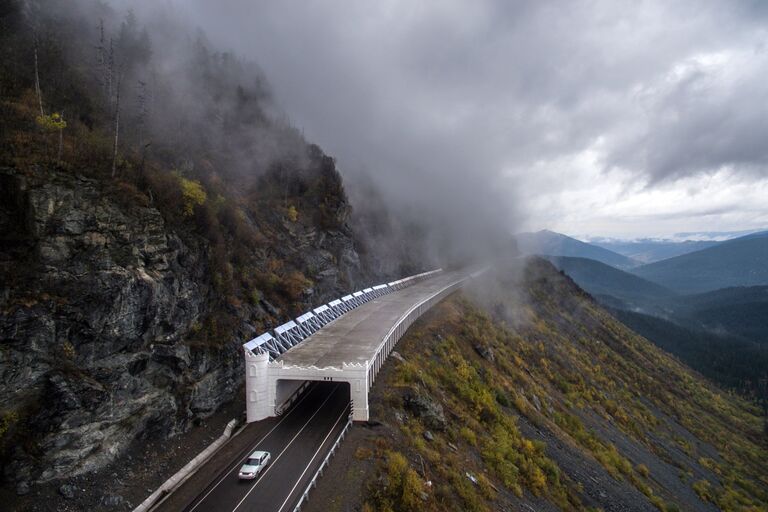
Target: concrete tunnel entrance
{"x":290,"y":391}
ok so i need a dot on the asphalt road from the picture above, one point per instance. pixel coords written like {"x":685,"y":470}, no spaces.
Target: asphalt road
{"x":298,"y":443}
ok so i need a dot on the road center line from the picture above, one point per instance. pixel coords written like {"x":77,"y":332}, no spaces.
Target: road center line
{"x":272,"y":464}
{"x":313,"y":458}
{"x":240,"y":462}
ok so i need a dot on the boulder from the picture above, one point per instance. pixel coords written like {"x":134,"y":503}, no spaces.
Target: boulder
{"x":22,"y":488}
{"x":424,"y":407}
{"x":68,"y":491}
{"x":112,"y":501}
{"x":484,"y":351}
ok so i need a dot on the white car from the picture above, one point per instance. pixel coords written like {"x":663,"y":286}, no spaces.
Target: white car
{"x":254,"y":465}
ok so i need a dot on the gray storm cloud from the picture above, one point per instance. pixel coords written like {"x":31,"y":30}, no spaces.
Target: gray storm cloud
{"x":449,"y":106}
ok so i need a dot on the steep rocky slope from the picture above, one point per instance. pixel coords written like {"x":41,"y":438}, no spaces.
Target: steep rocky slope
{"x":156,"y":211}
{"x":105,"y":318}
{"x":97,"y":295}
{"x":530,"y":397}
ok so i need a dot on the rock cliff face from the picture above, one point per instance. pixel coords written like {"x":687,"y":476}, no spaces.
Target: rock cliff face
{"x":130,"y":278}
{"x":100,"y":299}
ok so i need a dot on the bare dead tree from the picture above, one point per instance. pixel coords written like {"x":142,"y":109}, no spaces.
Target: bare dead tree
{"x":37,"y":75}
{"x":110,"y":71}
{"x":62,"y":124}
{"x":117,"y":126}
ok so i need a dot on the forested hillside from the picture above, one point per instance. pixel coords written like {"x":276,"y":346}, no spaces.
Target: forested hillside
{"x":611,"y":284}
{"x":721,"y":333}
{"x":737,"y":262}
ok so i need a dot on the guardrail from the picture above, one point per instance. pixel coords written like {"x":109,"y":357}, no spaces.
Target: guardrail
{"x":396,"y":332}
{"x":286,"y":336}
{"x":313,"y":483}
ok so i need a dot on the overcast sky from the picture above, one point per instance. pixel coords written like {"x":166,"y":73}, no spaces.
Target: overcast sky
{"x":586,"y":117}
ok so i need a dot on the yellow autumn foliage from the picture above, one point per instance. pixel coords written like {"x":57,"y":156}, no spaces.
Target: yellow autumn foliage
{"x":52,"y":122}
{"x":193,"y":194}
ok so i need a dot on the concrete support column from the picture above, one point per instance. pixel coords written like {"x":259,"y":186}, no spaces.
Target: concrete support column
{"x":258,"y":404}
{"x":359,"y":395}
{"x":358,"y":376}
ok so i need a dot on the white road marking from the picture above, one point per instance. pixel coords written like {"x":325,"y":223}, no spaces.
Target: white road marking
{"x":272,"y":464}
{"x":346,"y":409}
{"x":240,"y":463}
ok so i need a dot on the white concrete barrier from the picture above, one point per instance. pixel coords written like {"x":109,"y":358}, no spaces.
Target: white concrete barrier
{"x":187,"y":471}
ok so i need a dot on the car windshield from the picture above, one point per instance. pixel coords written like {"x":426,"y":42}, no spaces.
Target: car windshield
{"x":253,"y":462}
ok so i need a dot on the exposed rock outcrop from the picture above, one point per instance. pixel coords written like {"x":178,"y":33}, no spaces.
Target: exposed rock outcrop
{"x":97,"y":296}
{"x":100,"y":299}
{"x":430,"y":411}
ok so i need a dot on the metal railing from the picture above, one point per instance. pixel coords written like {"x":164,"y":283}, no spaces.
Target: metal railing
{"x":279,"y":410}
{"x":313,"y":482}
{"x":284,"y":337}
{"x":396,"y":332}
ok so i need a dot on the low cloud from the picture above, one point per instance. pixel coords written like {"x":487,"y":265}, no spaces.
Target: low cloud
{"x":478,"y":114}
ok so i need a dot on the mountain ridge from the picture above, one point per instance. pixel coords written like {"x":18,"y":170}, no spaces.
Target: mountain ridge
{"x":737,"y":262}
{"x":650,"y":251}
{"x":600,"y":279}
{"x":550,"y":243}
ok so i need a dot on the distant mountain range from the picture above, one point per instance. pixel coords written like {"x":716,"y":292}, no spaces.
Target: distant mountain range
{"x":549,"y":243}
{"x":713,"y":236}
{"x":738,"y":262}
{"x":736,"y":311}
{"x":741,"y":261}
{"x":709,"y":307}
{"x":649,"y":251}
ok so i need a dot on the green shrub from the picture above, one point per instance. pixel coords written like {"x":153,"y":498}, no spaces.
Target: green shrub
{"x":403,"y":486}
{"x":293,"y":214}
{"x":193,"y":195}
{"x":68,"y":350}
{"x":704,"y":489}
{"x":468,"y":435}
